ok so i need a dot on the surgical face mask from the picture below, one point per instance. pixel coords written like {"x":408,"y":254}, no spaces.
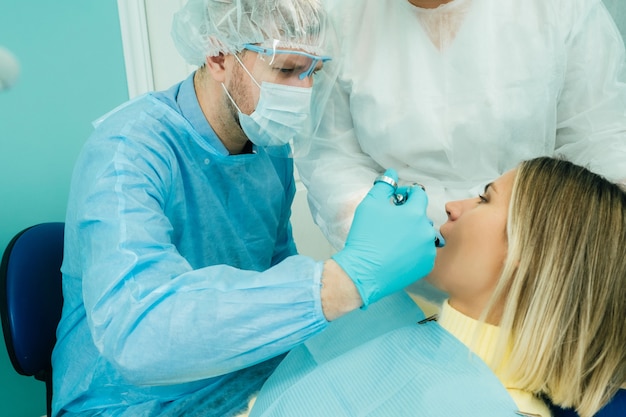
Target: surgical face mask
{"x":281,"y":113}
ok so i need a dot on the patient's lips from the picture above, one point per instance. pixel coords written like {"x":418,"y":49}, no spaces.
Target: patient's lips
{"x":440,"y":242}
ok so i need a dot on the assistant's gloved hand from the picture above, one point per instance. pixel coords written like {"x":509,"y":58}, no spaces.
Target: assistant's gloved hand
{"x":389,"y":246}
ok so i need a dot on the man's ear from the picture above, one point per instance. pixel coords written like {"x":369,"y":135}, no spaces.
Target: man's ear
{"x":216,"y":67}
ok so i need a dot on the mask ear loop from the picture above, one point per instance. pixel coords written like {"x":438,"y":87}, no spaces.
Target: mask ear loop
{"x":231,"y":98}
{"x":246,"y":70}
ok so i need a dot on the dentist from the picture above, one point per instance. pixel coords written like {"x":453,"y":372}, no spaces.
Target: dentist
{"x":181,"y":280}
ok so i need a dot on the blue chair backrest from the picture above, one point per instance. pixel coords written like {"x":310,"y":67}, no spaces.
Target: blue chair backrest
{"x":31,"y":297}
{"x":615,"y":408}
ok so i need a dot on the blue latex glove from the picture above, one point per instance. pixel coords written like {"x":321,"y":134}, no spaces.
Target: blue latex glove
{"x":401,"y":194}
{"x":389,"y":246}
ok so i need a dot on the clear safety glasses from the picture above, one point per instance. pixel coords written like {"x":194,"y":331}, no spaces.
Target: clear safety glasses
{"x":308,"y":65}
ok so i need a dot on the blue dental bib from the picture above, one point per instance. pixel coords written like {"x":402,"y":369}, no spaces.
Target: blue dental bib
{"x":381,"y":362}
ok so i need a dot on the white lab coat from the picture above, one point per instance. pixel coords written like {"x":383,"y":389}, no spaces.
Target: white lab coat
{"x":454,"y":97}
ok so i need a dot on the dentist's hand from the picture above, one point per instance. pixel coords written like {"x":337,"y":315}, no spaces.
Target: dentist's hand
{"x":389,"y":246}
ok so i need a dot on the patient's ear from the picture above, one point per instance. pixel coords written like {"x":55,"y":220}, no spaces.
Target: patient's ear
{"x":216,"y":66}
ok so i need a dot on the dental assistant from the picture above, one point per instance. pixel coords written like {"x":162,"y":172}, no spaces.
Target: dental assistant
{"x":453,"y":93}
{"x":181,"y":280}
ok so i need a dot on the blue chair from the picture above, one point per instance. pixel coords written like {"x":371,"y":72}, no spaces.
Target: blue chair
{"x":31,"y":299}
{"x":615,"y":408}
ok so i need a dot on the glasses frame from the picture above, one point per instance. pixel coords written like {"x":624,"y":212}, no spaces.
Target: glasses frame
{"x":272,"y":52}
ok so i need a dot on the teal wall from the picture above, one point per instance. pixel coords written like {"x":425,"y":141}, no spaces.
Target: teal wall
{"x":72,"y":71}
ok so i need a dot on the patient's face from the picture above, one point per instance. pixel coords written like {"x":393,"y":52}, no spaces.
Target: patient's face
{"x":470,"y":263}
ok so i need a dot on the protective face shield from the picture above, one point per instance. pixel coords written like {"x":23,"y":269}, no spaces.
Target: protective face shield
{"x":283,"y":111}
{"x":285,"y":49}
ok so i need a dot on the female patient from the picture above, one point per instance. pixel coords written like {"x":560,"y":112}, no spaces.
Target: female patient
{"x":536,"y":274}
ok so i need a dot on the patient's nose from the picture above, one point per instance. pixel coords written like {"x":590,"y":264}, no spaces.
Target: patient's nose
{"x":453,"y":210}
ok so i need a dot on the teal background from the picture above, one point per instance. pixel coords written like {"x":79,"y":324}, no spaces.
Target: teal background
{"x":618,"y":10}
{"x":72,"y":71}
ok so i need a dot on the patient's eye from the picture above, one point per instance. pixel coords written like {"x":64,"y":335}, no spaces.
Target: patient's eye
{"x":482,"y":198}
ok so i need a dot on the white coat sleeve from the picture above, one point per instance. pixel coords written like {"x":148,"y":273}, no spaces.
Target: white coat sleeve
{"x":336,"y":171}
{"x":591,"y":126}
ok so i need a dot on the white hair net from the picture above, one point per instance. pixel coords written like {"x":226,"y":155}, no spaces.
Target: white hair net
{"x":208,"y":27}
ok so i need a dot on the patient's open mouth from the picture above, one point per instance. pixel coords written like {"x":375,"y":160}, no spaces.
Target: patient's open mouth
{"x":440,"y":242}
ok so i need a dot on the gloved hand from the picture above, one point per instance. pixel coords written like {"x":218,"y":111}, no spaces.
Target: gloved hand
{"x":389,"y":246}
{"x":401,"y":194}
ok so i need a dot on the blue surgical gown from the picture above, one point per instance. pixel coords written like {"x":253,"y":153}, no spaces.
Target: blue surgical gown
{"x":180,"y":271}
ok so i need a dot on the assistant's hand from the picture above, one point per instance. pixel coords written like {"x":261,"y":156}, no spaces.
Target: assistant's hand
{"x":389,"y":246}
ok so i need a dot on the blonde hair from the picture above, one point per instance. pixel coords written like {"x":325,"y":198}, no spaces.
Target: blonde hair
{"x":563,"y":286}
